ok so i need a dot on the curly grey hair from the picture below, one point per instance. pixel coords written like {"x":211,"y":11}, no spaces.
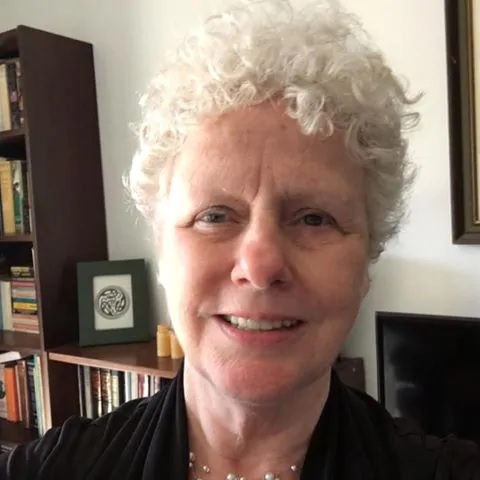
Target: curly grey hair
{"x":330,"y":76}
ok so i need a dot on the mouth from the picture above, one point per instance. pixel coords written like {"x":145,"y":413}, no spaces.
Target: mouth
{"x":254,"y":325}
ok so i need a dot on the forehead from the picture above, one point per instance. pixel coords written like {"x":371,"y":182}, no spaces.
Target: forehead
{"x":261,"y":143}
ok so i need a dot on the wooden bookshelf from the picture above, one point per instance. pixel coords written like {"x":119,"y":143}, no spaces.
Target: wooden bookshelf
{"x":15,"y":433}
{"x":25,"y":343}
{"x":60,"y":143}
{"x":135,"y":357}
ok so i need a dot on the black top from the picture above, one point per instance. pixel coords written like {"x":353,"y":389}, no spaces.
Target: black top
{"x":354,"y":439}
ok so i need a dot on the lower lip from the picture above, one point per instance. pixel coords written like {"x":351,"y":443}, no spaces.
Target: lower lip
{"x":261,"y":338}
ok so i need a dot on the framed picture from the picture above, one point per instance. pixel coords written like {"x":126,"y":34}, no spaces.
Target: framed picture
{"x":113,"y":302}
{"x":463,"y":64}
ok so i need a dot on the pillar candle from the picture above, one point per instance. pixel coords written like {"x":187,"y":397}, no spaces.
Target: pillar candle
{"x":175,"y":348}
{"x":163,"y":341}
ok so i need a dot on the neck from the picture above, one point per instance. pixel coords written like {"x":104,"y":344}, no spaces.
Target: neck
{"x":251,"y":438}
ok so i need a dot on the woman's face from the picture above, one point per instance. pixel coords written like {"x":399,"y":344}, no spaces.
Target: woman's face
{"x":263,"y":252}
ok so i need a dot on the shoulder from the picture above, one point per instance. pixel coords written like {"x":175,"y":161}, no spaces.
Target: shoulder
{"x":420,"y":456}
{"x":74,"y":447}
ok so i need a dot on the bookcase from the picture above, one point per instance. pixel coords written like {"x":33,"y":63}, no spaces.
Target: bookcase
{"x":59,"y":139}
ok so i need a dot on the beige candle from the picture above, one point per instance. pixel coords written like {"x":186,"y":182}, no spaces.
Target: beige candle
{"x":163,"y":341}
{"x":175,"y":348}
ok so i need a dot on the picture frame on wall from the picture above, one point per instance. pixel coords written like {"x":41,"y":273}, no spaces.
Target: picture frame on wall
{"x":463,"y":67}
{"x":113,"y":302}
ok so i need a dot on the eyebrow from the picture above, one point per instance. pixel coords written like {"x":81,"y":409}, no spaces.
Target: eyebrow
{"x":315,"y":198}
{"x":342,"y":199}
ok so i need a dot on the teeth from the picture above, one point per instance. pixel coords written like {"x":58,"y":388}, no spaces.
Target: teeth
{"x":250,"y":324}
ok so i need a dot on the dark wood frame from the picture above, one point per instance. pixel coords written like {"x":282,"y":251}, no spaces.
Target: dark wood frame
{"x":464,"y":153}
{"x":140,"y":332}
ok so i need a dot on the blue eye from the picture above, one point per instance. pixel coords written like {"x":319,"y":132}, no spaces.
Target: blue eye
{"x":213,"y":217}
{"x":317,"y":220}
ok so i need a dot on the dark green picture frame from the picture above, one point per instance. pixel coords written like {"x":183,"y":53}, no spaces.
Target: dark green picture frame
{"x":138,"y":297}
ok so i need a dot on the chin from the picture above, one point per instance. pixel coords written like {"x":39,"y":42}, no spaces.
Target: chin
{"x":259,"y":381}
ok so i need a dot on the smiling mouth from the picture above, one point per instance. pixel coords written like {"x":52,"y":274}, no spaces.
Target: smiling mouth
{"x":244,"y":323}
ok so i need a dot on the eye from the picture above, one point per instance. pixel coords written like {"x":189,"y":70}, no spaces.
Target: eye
{"x":317,"y":219}
{"x":213,"y":215}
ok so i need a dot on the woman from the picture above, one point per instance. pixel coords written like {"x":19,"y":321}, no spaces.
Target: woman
{"x":273,"y":168}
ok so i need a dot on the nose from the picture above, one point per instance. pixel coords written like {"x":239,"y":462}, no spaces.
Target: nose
{"x":261,"y":261}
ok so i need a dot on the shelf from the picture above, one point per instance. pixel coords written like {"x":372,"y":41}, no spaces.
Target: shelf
{"x":12,"y":136}
{"x":24,"y":237}
{"x":25,"y":343}
{"x":9,"y":44}
{"x":15,"y":433}
{"x":12,"y":144}
{"x":137,"y":357}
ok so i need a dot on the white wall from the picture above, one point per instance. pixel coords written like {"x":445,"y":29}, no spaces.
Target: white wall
{"x":421,"y":272}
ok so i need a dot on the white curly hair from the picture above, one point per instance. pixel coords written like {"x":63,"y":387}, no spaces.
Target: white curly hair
{"x":329,"y":74}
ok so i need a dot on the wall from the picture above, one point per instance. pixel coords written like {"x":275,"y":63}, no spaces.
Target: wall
{"x":422,"y":271}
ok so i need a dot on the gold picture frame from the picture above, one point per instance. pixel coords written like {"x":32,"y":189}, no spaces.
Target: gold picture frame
{"x":463,"y":61}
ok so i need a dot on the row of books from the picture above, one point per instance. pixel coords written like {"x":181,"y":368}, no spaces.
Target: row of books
{"x":102,"y":390}
{"x":18,"y":301}
{"x":11,"y":96}
{"x":21,"y":390}
{"x":15,"y":204}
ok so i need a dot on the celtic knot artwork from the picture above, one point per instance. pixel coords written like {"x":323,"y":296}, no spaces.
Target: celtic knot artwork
{"x":112,"y":301}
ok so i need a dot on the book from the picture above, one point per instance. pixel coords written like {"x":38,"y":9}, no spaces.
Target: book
{"x":81,"y":395}
{"x":87,"y":391}
{"x":21,"y":272}
{"x":20,"y":196}
{"x":106,"y":390}
{"x":96,"y":389}
{"x":24,"y":393}
{"x":6,"y":196}
{"x":3,"y":393}
{"x":116,"y":388}
{"x":13,"y":96}
{"x":30,"y":361}
{"x":4,"y":100}
{"x":18,"y":70}
{"x":13,"y":413}
{"x":24,"y":303}
{"x":39,"y":403}
{"x":6,"y":299}
{"x":128,"y":386}
{"x":9,"y":356}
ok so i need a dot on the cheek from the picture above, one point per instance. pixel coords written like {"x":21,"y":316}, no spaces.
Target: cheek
{"x":190,"y":272}
{"x":339,"y":279}
{"x":192,"y":261}
{"x":338,"y":289}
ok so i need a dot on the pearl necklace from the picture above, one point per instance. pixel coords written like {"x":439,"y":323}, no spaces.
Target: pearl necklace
{"x":231,"y":476}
